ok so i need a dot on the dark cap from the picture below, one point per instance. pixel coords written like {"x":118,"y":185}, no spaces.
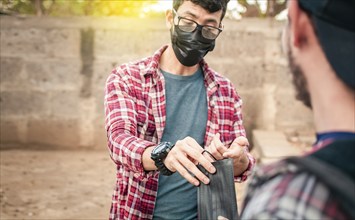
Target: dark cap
{"x":334,"y":22}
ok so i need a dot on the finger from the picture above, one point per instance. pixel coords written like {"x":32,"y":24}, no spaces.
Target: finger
{"x":185,"y":174}
{"x":206,"y":163}
{"x":213,"y":150}
{"x":234,"y":152}
{"x":208,"y":156}
{"x":242,"y":141}
{"x":191,"y":168}
{"x":197,"y":155}
{"x":194,"y":151}
{"x":192,"y":143}
{"x":218,"y":144}
{"x":192,"y":160}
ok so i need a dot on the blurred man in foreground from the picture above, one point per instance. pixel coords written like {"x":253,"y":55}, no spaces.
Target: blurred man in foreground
{"x":320,"y":42}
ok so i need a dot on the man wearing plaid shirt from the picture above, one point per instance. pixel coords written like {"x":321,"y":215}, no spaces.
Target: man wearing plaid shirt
{"x":320,"y":42}
{"x":164,"y":111}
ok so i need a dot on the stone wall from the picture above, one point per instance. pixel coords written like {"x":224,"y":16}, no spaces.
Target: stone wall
{"x":53,"y":72}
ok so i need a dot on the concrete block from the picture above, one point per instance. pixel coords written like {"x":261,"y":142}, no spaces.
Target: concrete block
{"x":100,"y":139}
{"x":265,"y":106}
{"x":243,"y":73}
{"x":54,"y":132}
{"x":65,"y":104}
{"x":86,"y":118}
{"x":63,"y":43}
{"x":274,"y":30}
{"x":273,"y":51}
{"x":54,"y":74}
{"x":128,"y":45}
{"x":22,"y":42}
{"x":273,"y":144}
{"x":99,"y":97}
{"x":9,"y":131}
{"x":121,"y":43}
{"x":102,"y":69}
{"x":10,"y":69}
{"x":40,"y":42}
{"x":25,"y":104}
{"x":278,"y":75}
{"x":250,"y":110}
{"x":238,"y":44}
{"x":291,"y":112}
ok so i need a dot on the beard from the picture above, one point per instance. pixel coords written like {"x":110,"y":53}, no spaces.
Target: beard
{"x":298,"y":79}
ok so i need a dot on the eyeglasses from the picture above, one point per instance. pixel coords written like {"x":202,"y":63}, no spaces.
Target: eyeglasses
{"x":188,"y":25}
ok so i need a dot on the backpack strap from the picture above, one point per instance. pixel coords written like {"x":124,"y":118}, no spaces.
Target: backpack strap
{"x":334,"y":166}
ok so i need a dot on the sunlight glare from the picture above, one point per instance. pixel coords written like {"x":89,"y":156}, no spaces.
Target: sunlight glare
{"x":159,"y":6}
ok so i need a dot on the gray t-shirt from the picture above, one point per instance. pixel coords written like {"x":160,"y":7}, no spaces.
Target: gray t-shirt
{"x":186,"y":115}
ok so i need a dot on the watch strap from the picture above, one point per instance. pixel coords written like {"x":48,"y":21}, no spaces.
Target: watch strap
{"x":162,"y":168}
{"x":160,"y":156}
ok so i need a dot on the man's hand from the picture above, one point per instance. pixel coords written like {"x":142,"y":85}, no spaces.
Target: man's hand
{"x":184,"y":157}
{"x":216,"y":148}
{"x":236,"y":151}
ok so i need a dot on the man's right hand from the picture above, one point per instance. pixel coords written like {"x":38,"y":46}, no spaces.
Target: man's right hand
{"x":184,"y":157}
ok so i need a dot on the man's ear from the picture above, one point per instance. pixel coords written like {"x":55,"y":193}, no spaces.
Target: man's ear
{"x":169,"y":18}
{"x":300,"y":25}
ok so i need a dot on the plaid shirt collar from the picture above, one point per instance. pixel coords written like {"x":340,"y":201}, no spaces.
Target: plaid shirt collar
{"x":211,"y":81}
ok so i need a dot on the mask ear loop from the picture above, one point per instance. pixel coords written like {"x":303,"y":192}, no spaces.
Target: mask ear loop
{"x":206,"y":151}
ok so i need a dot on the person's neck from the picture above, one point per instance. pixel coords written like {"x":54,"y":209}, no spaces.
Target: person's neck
{"x":338,"y":117}
{"x":170,"y":64}
{"x":333,"y":103}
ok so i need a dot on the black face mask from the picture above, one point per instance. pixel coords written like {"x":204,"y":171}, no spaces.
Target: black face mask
{"x":190,"y":47}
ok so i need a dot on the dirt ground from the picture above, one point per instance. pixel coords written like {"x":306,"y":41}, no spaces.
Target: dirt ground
{"x":58,"y":185}
{"x":37,"y":184}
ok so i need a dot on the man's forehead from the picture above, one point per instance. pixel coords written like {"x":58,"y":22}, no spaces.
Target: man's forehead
{"x":197,"y":12}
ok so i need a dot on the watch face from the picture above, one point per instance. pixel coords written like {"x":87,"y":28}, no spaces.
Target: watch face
{"x":160,"y":147}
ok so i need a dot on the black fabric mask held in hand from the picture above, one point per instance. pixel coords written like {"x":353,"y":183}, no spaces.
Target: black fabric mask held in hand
{"x":190,"y":47}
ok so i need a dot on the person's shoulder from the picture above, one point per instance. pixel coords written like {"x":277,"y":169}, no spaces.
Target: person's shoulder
{"x":285,"y":178}
{"x":133,"y":68}
{"x":276,"y":186}
{"x":139,"y":68}
{"x":132,"y":73}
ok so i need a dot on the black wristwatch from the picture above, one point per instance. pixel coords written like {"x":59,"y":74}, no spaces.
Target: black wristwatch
{"x":158,"y":154}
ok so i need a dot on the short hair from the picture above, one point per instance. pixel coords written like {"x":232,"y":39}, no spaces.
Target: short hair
{"x":209,"y":5}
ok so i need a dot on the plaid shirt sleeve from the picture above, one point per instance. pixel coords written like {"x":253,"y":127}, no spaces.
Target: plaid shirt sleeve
{"x":239,"y":128}
{"x":230,"y":121}
{"x":125,"y":147}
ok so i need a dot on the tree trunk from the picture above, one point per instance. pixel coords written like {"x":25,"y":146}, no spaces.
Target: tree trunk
{"x":38,"y":7}
{"x":270,"y":10}
{"x":273,"y":8}
{"x":251,"y":10}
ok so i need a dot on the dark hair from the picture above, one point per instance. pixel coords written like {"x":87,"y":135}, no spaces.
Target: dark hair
{"x":210,"y":5}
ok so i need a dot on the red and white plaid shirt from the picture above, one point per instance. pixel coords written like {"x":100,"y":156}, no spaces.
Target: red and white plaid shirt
{"x":135,"y":120}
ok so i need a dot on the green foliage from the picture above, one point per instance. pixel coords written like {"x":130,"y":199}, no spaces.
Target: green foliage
{"x":130,"y":8}
{"x":75,"y":7}
{"x":19,"y":6}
